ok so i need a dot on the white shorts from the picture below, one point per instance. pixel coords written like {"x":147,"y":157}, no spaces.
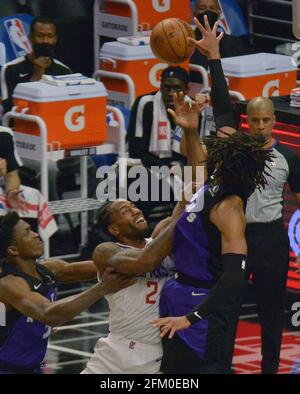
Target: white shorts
{"x":118,"y":355}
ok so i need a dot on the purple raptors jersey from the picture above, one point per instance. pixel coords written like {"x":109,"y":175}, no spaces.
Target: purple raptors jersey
{"x":197,"y":257}
{"x":23,"y":341}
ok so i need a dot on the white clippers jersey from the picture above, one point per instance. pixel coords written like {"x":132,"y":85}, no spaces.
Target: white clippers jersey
{"x":132,"y":309}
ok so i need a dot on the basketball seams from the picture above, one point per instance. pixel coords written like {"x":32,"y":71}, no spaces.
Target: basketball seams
{"x":169,"y":42}
{"x":167,"y":37}
{"x":154,"y":46}
{"x":179,"y":23}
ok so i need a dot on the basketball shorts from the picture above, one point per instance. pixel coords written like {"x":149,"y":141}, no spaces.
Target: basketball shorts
{"x":118,"y":355}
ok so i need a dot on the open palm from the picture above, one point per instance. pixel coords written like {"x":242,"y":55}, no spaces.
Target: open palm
{"x":186,"y":114}
{"x":209,"y":44}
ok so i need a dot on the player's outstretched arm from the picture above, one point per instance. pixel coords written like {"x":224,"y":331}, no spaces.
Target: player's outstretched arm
{"x":15,"y":293}
{"x":228,"y":216}
{"x":71,"y":272}
{"x":209,"y":45}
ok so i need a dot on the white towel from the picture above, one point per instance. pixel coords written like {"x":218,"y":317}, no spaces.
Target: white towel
{"x":37,"y":208}
{"x":163,"y":139}
{"x":160,"y":141}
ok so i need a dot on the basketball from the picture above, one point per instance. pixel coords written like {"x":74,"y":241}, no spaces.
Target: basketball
{"x":168,"y":40}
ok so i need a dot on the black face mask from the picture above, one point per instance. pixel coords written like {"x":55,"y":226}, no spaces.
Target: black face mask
{"x":211,"y":15}
{"x":43,"y":50}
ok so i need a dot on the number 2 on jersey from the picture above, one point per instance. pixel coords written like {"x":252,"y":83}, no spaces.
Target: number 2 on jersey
{"x":154,"y":287}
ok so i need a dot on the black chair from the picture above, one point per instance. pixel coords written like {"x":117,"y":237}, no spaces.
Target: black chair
{"x":9,"y":7}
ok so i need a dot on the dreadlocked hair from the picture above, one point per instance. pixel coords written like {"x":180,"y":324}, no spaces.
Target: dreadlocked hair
{"x":103,"y":220}
{"x":7,"y":225}
{"x":238,"y":161}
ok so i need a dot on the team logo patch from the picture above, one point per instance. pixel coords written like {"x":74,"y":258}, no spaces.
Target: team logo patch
{"x":243,"y":266}
{"x":191,"y":218}
{"x":131,"y":345}
{"x":162,"y":131}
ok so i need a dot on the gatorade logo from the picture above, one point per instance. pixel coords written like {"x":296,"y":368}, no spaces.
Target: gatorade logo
{"x":74,"y":118}
{"x":271,"y":88}
{"x":161,"y":5}
{"x":155,"y":73}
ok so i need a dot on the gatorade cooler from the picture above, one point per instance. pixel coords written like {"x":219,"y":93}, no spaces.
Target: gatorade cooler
{"x":75,"y":116}
{"x":136,"y":62}
{"x":260,"y":74}
{"x":125,"y":17}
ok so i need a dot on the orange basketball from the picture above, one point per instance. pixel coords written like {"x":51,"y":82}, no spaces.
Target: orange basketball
{"x":169,"y":40}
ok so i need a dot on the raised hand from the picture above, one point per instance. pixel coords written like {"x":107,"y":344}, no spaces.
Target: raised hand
{"x":209,"y":45}
{"x":40,"y":65}
{"x":186,"y":114}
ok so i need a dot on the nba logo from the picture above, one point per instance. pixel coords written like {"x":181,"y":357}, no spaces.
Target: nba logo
{"x":222,"y":21}
{"x":18,"y":37}
{"x":131,"y":345}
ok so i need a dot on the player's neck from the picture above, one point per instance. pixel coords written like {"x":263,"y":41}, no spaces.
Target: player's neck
{"x":28,"y":266}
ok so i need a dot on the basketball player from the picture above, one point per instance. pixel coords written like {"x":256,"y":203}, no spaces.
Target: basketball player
{"x":28,"y":292}
{"x":268,"y":257}
{"x":133,"y":345}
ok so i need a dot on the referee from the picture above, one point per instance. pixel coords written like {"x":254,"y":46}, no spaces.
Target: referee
{"x":268,"y":242}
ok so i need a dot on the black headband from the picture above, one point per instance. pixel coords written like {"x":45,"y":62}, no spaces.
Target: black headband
{"x":176,"y":72}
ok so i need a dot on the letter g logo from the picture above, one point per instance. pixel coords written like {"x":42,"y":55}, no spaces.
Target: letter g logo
{"x":74,"y":118}
{"x":271,"y":88}
{"x":155,"y":72}
{"x":161,"y":5}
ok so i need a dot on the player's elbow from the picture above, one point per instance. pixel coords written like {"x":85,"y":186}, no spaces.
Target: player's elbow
{"x":52,"y":318}
{"x":50,"y":321}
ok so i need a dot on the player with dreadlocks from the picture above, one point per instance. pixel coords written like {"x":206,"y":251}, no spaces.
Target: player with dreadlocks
{"x":200,"y":305}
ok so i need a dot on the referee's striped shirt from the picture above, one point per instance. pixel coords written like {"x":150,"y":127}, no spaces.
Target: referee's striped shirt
{"x":266,"y":205}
